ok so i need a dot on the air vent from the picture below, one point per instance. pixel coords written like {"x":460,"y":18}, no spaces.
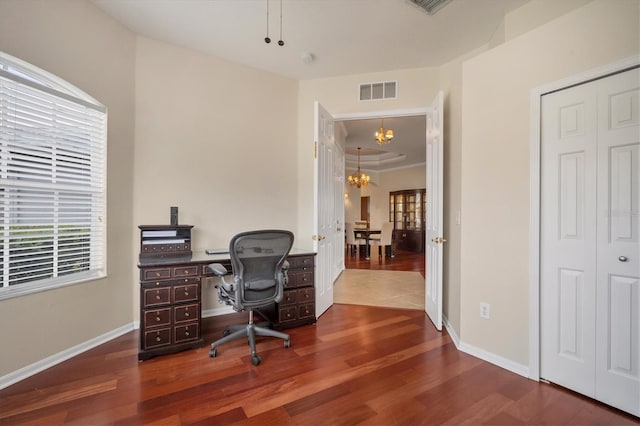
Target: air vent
{"x":377,"y":91}
{"x":431,"y":6}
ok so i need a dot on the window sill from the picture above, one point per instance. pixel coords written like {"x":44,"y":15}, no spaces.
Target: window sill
{"x":50,"y":284}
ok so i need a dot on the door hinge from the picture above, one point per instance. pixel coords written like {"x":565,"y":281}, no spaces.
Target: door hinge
{"x":315,"y":150}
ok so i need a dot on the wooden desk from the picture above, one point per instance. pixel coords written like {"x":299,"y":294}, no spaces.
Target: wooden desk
{"x":171,"y":299}
{"x":366,"y":234}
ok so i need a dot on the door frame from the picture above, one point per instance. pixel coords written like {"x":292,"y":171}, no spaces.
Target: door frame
{"x":535,"y":192}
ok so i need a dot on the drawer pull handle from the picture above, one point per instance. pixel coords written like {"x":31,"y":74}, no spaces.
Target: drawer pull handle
{"x":158,"y":339}
{"x":186,"y":333}
{"x":157,"y":318}
{"x":157,"y":282}
{"x":186,"y":271}
{"x":186,"y":293}
{"x":157,"y":297}
{"x":157,"y":274}
{"x":186,"y":314}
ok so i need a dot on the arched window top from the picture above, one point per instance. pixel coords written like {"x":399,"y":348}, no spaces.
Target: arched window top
{"x":36,"y":77}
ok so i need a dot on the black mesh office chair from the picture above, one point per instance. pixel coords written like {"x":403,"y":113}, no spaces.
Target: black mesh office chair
{"x":258,"y":260}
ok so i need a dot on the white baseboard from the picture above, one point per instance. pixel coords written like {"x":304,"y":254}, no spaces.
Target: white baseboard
{"x":217,"y":311}
{"x":490,"y":357}
{"x":35,"y":368}
{"x":451,"y":331}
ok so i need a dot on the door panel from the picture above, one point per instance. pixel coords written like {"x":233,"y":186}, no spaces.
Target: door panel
{"x":617,"y":328}
{"x":325,"y":221}
{"x":434,"y":229}
{"x":568,"y":260}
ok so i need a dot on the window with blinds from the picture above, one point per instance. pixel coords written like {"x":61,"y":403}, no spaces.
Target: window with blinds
{"x":52,"y":181}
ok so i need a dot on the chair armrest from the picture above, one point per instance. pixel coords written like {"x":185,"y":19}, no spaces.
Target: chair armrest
{"x":218,"y":269}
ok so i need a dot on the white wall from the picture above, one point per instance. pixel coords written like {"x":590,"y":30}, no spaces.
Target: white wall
{"x":216,"y":139}
{"x":80,"y":44}
{"x":495,"y":160}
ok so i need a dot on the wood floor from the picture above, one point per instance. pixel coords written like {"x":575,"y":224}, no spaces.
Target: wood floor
{"x":357,"y":365}
{"x":402,"y":261}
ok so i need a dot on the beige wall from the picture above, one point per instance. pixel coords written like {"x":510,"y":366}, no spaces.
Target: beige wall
{"x":495,"y":160}
{"x":216,"y":139}
{"x":76,"y":42}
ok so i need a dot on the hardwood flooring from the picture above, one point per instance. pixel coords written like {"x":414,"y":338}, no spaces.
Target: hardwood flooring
{"x":403,"y":261}
{"x":357,"y":365}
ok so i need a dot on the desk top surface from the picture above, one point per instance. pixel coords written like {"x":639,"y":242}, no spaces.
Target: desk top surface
{"x":202,"y":257}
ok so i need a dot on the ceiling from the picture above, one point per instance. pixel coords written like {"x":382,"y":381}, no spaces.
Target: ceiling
{"x":342,"y":36}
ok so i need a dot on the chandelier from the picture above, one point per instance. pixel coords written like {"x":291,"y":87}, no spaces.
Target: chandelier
{"x":359,"y":179}
{"x":383,"y":136}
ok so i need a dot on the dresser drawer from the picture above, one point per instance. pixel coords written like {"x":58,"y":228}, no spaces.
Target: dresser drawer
{"x":186,"y":332}
{"x":289,"y":298}
{"x":185,"y":293}
{"x":307,"y":310}
{"x":158,"y":317}
{"x":186,"y":312}
{"x":156,"y":274}
{"x":156,"y":338}
{"x":156,"y":296}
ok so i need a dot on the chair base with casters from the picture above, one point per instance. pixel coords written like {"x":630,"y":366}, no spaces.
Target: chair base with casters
{"x":259,"y":269}
{"x":250,"y":331}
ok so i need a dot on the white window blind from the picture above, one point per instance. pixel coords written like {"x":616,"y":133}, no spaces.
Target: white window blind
{"x":52,"y":181}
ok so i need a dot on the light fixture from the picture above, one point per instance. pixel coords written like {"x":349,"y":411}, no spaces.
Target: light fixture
{"x":359,"y":179}
{"x":383,"y":136}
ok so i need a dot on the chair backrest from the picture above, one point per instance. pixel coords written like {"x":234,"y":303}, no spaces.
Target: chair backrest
{"x":257,"y":258}
{"x":351,"y":236}
{"x":385,"y":235}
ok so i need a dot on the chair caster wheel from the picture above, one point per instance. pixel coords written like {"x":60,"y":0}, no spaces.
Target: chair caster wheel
{"x":213,"y":353}
{"x":287,"y":343}
{"x":255,"y":360}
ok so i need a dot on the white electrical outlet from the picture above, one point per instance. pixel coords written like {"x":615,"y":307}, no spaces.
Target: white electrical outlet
{"x":485,"y":311}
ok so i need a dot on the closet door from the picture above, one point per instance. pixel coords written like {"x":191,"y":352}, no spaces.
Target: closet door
{"x":590,"y":239}
{"x":568,"y":238}
{"x":618,"y":282}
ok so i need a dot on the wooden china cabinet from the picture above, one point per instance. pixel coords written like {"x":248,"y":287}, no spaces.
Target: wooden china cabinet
{"x":407,"y":210}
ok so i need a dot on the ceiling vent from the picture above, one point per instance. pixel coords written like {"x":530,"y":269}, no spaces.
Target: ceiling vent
{"x":431,"y":6}
{"x":378,"y":91}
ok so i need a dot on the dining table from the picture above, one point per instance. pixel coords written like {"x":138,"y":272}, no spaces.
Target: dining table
{"x":366,"y":233}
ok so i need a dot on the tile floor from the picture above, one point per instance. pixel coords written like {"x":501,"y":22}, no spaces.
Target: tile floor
{"x":392,"y":289}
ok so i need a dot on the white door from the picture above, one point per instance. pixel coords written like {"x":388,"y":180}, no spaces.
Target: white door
{"x":338,"y":183}
{"x":434,"y":186}
{"x":618,"y":235}
{"x":590,"y":290}
{"x":324,"y":209}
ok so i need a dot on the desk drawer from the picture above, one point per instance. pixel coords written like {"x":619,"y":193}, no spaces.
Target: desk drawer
{"x":157,"y":338}
{"x":185,"y":293}
{"x":186,"y":312}
{"x":186,"y":271}
{"x":156,"y":274}
{"x":300,"y":279}
{"x":159,"y":317}
{"x":306,"y":311}
{"x":288,"y":314}
{"x":306,"y":295}
{"x":301,"y":262}
{"x":289,"y":298}
{"x":156,"y":296}
{"x":186,"y":332}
